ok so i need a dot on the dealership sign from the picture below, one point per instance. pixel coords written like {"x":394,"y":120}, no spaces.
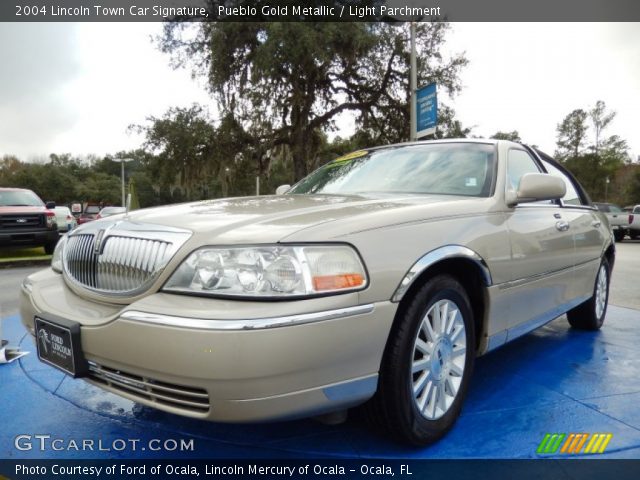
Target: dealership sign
{"x":426,"y":110}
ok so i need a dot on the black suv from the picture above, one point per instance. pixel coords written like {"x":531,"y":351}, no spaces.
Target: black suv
{"x":26,"y":221}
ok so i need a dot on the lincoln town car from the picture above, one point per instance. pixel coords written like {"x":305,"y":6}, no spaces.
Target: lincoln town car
{"x":375,"y":281}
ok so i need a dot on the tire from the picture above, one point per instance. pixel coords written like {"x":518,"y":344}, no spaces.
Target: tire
{"x":634,"y":236}
{"x":49,"y":248}
{"x":590,"y":314}
{"x":619,"y":235}
{"x":442,"y":381}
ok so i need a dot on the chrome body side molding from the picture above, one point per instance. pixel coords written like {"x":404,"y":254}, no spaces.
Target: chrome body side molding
{"x":435,"y":256}
{"x":507,"y":336}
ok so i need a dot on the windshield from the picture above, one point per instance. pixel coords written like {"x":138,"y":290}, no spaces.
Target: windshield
{"x":445,"y":169}
{"x":19,"y":198}
{"x":92,"y":209}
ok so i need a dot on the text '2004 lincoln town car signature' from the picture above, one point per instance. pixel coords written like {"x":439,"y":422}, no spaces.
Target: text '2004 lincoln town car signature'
{"x":377,"y":279}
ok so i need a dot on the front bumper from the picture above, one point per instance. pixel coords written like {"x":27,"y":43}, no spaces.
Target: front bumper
{"x":224,"y":360}
{"x":28,"y":238}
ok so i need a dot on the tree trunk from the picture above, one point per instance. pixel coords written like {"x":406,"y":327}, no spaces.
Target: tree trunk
{"x":300,"y":153}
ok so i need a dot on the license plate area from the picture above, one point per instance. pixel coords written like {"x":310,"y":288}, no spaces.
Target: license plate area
{"x":58,"y":344}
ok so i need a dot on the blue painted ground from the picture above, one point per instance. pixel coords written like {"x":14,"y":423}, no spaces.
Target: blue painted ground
{"x":553,"y":380}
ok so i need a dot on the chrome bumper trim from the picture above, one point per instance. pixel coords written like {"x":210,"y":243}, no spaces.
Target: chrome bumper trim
{"x":248,"y":324}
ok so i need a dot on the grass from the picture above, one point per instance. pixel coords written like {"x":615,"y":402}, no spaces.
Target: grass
{"x":16,"y":254}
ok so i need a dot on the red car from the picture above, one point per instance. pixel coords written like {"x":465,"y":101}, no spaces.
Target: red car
{"x":90,"y":213}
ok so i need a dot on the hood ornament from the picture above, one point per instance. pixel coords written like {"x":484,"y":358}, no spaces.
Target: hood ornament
{"x":127,"y":206}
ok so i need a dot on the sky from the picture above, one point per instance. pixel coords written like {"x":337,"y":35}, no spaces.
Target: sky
{"x":76,"y":87}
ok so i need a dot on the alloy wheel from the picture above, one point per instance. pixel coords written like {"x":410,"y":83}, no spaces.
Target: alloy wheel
{"x":439,"y":355}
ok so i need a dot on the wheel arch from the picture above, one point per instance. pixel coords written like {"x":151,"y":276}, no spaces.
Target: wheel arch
{"x":465,"y":265}
{"x":610,"y":254}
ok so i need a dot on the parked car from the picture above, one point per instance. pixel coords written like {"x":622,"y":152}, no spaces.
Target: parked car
{"x":109,"y":211}
{"x":618,"y":219}
{"x":377,"y":280}
{"x":89,"y":214}
{"x":26,"y":221}
{"x":65,"y":220}
{"x":634,"y":223}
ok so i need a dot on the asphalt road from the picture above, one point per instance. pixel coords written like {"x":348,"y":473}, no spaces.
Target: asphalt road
{"x":625,"y":286}
{"x":10,"y":281}
{"x":625,"y":282}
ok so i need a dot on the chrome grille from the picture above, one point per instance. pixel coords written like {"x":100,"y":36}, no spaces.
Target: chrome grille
{"x":122,"y":257}
{"x":17,"y":221}
{"x":125,"y":265}
{"x":156,"y":392}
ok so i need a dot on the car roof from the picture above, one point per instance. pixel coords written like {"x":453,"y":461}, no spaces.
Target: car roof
{"x":486,"y":141}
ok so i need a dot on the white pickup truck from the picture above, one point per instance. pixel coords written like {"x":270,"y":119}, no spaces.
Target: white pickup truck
{"x":618,"y":219}
{"x":634,"y":223}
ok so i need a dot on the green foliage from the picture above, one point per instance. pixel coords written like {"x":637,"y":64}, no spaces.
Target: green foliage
{"x":63,"y":179}
{"x":572,"y":135}
{"x":592,"y":157}
{"x":633,"y":188}
{"x":181,"y":147}
{"x":514,"y":136}
{"x":449,"y":126}
{"x":286,"y":83}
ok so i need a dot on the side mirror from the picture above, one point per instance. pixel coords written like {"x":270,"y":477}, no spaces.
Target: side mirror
{"x":50,"y":205}
{"x":282,"y":189}
{"x":534,"y":187}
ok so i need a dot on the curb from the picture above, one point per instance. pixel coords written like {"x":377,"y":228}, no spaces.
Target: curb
{"x":35,"y":262}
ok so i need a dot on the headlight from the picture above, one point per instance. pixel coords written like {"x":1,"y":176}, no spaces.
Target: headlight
{"x":269,"y":271}
{"x":56,"y":259}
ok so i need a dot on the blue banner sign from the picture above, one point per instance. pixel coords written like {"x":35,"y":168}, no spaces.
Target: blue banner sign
{"x":426,"y":110}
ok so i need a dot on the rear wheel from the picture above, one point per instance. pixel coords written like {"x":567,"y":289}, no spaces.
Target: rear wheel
{"x":427,"y":365}
{"x":618,"y":235}
{"x":590,"y":314}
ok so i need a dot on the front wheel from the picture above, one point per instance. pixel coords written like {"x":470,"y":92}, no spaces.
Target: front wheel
{"x":49,"y":248}
{"x":590,"y":314}
{"x":427,"y":364}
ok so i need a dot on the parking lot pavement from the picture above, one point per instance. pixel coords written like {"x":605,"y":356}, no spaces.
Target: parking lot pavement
{"x":554,"y":380}
{"x":625,"y":282}
{"x":10,"y":280}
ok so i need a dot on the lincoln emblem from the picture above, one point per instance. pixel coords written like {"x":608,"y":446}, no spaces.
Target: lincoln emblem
{"x":97,"y":243}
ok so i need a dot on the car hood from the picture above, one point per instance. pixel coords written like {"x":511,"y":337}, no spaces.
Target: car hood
{"x":13,"y":210}
{"x":273,"y":218}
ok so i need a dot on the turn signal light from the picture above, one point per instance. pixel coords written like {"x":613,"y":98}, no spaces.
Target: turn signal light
{"x":336,"y":282}
{"x":50,"y":218}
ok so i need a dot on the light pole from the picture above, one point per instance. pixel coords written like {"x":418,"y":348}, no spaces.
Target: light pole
{"x":606,"y":189}
{"x":413,"y":84}
{"x":122,"y":162}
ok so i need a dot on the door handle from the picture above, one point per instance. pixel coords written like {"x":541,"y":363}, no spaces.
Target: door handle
{"x":562,"y":226}
{"x":596,"y":224}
